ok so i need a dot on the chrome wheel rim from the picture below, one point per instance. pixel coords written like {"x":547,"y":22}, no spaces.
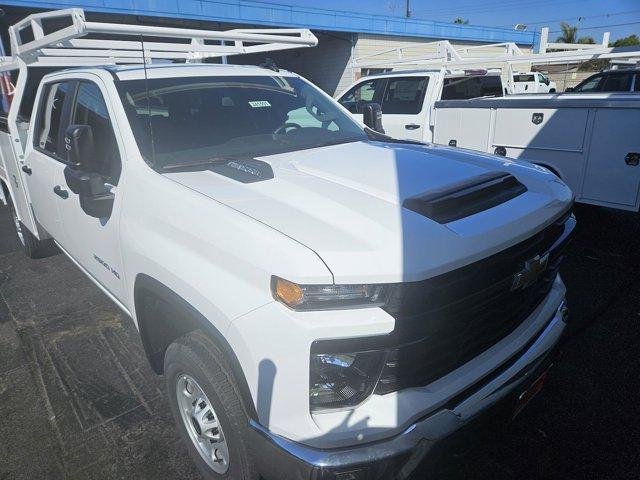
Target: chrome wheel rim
{"x":202,"y":424}
{"x":18,"y":225}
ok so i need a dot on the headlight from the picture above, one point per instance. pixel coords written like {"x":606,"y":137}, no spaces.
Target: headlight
{"x":328,"y":297}
{"x":341,"y":380}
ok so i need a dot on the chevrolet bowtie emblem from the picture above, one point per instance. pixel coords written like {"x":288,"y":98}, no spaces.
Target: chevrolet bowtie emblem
{"x":532,"y":270}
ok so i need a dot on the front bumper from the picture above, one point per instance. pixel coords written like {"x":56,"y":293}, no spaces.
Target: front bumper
{"x":490,"y":400}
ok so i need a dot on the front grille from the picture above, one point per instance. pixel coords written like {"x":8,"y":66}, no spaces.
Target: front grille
{"x":445,"y":321}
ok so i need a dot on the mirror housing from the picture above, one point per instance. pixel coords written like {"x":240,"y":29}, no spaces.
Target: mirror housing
{"x":568,"y":89}
{"x":372,"y":116}
{"x":80,"y":147}
{"x":95,"y":198}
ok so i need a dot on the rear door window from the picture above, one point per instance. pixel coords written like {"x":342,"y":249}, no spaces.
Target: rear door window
{"x":617,"y":82}
{"x":591,"y":84}
{"x":636,"y":87}
{"x":49,"y":133}
{"x":404,"y":95}
{"x":363,"y":93}
{"x":523,"y":78}
{"x":462,"y":88}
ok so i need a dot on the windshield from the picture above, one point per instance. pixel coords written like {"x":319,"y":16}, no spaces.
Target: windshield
{"x":195,"y":119}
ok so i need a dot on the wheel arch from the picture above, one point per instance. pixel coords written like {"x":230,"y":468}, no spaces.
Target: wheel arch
{"x":158,"y":329}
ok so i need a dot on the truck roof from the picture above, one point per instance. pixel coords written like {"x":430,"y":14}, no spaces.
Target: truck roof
{"x":169,"y":70}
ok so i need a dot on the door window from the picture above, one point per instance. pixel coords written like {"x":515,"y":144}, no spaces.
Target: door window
{"x":617,"y":82}
{"x":90,"y":109}
{"x":365,"y":92}
{"x":49,"y":129}
{"x":404,"y":95}
{"x":462,"y":88}
{"x":591,"y":84}
{"x":636,"y":87}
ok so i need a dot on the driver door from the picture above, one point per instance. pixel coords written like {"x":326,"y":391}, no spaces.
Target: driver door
{"x":94,"y":242}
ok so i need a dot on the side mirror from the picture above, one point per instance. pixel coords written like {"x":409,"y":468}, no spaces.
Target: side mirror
{"x":96,"y":200}
{"x":80,"y":146}
{"x":569,"y":89}
{"x":372,"y":116}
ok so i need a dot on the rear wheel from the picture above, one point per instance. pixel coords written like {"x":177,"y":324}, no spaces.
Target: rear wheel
{"x":31,"y":246}
{"x":207,"y":407}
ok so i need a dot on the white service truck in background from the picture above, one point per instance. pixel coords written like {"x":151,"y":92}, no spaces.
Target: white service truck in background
{"x":324,"y":301}
{"x":590,"y":140}
{"x":407,"y":98}
{"x":532,"y":82}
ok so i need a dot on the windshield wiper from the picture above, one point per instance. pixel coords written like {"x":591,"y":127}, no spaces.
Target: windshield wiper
{"x":381,"y":137}
{"x":199,"y":163}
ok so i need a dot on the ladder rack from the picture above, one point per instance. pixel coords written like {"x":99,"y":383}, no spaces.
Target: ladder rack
{"x":67,"y":45}
{"x":447,"y":56}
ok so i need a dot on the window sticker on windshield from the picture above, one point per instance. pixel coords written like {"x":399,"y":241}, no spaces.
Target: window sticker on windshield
{"x":259,"y":104}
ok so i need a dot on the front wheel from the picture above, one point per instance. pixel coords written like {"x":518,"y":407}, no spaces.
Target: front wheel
{"x":207,"y":407}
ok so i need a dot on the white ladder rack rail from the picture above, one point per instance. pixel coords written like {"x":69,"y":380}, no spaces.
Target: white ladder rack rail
{"x":447,"y":56}
{"x":66,"y":47}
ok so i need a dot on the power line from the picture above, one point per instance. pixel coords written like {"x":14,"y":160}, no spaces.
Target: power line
{"x":602,"y":26}
{"x":580,"y":18}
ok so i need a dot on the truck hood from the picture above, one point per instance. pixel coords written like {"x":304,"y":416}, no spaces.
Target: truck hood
{"x":345,"y":202}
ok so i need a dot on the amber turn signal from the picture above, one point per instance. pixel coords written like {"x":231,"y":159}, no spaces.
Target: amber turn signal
{"x":287,"y":292}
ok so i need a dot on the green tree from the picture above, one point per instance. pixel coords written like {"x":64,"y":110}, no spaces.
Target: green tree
{"x":629,"y":41}
{"x":569,"y":33}
{"x":587,"y":40}
{"x":460,"y":21}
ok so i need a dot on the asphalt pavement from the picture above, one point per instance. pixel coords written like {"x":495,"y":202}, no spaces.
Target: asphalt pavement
{"x":78,"y":400}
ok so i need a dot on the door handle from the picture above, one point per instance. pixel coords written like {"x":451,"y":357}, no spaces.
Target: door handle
{"x":412,"y":126}
{"x":27,"y":170}
{"x":61,"y":192}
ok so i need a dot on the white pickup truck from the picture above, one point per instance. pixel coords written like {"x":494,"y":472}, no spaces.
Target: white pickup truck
{"x":323,"y":301}
{"x":533,"y":82}
{"x":590,"y":140}
{"x":407,"y":98}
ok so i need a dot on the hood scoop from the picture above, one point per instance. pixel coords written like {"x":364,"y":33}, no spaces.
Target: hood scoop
{"x":244,"y":170}
{"x":466,"y":198}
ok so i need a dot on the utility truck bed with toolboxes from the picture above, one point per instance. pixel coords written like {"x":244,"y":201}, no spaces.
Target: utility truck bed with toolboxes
{"x":591,"y":141}
{"x":324,"y":302}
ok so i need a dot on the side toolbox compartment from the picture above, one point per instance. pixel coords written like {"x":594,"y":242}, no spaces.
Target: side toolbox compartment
{"x":464,"y":128}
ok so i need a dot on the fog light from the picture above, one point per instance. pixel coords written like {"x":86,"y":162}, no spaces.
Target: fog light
{"x":339,"y":380}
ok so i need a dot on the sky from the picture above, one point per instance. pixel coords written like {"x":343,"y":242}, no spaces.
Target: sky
{"x":593,"y":17}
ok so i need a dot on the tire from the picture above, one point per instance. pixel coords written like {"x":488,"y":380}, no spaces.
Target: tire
{"x":194,"y":364}
{"x":31,"y":246}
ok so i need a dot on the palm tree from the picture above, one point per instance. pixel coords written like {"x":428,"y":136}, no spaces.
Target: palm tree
{"x":569,"y":33}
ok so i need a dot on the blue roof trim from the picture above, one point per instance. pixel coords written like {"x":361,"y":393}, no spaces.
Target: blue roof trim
{"x":260,"y":13}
